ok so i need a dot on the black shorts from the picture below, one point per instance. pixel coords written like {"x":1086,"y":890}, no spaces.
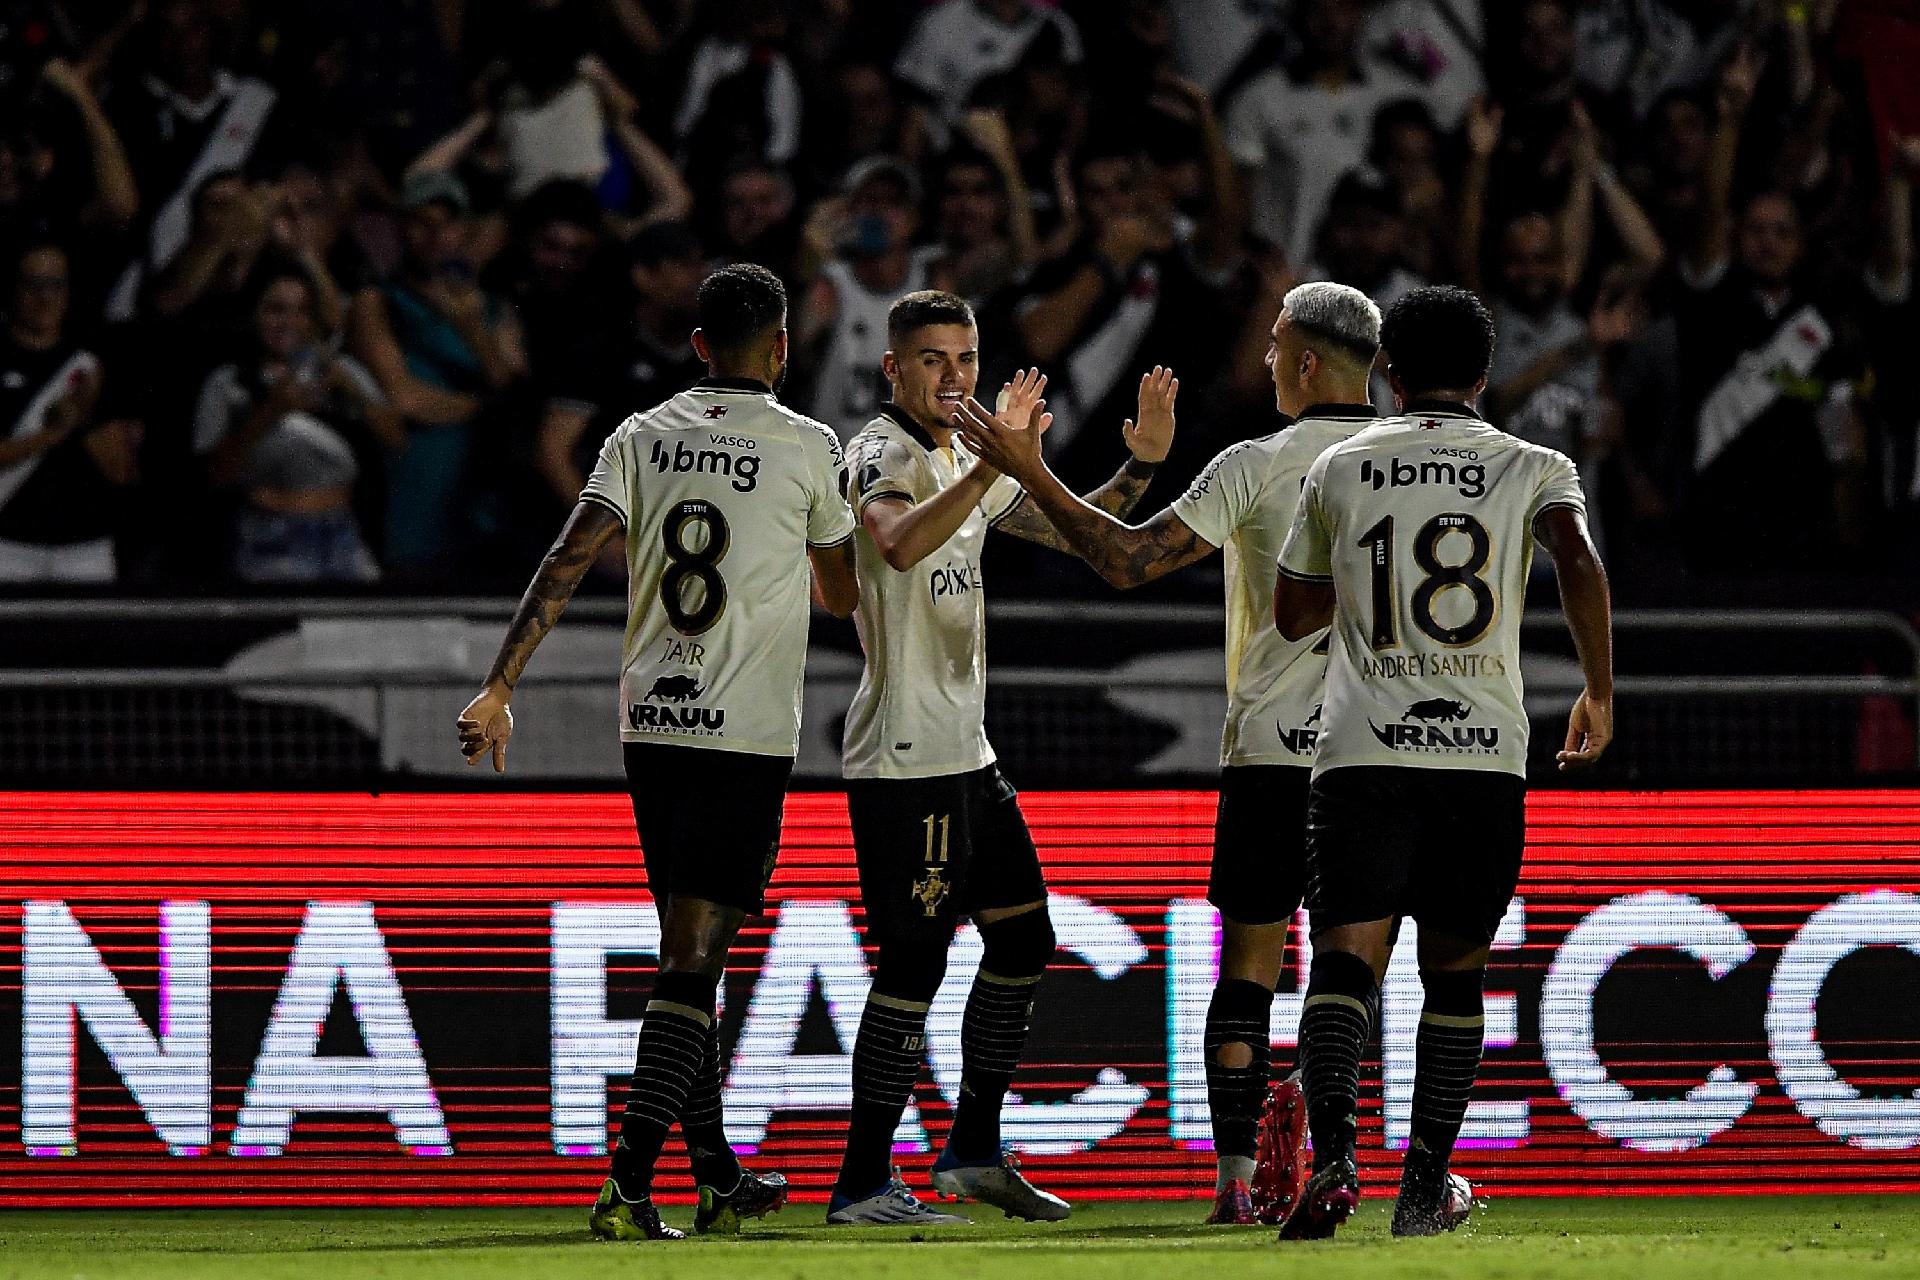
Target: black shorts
{"x":709,"y":820}
{"x":1259,"y":869}
{"x":1440,"y":845}
{"x":931,"y":850}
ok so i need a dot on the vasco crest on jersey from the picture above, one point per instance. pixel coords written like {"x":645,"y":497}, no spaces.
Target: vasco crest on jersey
{"x":1438,"y":726}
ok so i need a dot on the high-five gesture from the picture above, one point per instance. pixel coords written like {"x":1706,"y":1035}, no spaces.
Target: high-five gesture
{"x":1000,"y":442}
{"x":1017,"y":398}
{"x":1150,"y":436}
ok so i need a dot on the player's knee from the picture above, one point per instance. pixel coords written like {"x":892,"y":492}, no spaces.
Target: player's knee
{"x":1340,"y":973}
{"x":1454,"y":992}
{"x":910,"y":970}
{"x":1018,"y":946}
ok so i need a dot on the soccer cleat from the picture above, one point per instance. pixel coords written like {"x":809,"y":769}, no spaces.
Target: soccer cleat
{"x":999,"y":1184}
{"x":1328,"y":1199}
{"x":1418,"y":1214}
{"x":891,"y":1206}
{"x":1280,"y":1161}
{"x":615,"y":1217}
{"x":1232,"y":1207}
{"x":753,"y":1196}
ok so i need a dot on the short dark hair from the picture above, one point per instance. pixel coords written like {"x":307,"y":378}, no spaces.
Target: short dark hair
{"x":1438,"y":338}
{"x":925,"y":307}
{"x":740,"y":303}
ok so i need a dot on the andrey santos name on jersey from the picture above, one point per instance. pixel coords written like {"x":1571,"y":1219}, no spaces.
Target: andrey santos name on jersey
{"x":1395,"y":666}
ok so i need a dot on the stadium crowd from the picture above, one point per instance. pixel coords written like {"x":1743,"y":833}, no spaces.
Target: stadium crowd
{"x":350,"y":291}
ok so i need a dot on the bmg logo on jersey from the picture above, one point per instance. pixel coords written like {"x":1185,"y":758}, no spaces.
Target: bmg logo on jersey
{"x":1468,"y":476}
{"x":743,"y":469}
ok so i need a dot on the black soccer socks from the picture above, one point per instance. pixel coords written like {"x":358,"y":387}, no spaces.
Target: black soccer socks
{"x":1446,"y":1058}
{"x":703,"y":1126}
{"x":1333,"y":1034}
{"x":672,"y":1052}
{"x":886,"y":1061}
{"x":1239,"y":1015}
{"x":993,"y":1031}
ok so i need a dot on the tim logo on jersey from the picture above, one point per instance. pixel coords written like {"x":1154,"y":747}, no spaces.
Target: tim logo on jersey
{"x":667,"y":706}
{"x":1456,"y":467}
{"x":1436,"y":730}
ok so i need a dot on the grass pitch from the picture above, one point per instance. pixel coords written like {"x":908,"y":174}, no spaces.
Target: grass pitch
{"x":1644,"y":1239}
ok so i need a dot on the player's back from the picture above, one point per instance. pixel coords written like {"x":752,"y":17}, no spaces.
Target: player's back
{"x":1424,"y":523}
{"x":1244,"y":503}
{"x":722,"y":489}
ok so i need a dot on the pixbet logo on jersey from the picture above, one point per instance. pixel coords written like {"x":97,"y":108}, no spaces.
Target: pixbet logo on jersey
{"x":742,"y":469}
{"x":1433,"y":733}
{"x":1466,"y":475}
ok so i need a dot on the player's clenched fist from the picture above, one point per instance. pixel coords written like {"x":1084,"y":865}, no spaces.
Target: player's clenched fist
{"x":486,"y":723}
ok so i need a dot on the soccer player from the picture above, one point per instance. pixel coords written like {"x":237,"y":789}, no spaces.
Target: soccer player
{"x":937,"y":832}
{"x":1414,"y":539}
{"x":724,"y":496}
{"x":1321,"y":349}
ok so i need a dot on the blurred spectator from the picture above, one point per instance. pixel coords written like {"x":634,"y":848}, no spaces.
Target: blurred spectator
{"x":864,"y":242}
{"x":1438,"y":44}
{"x":958,"y":43}
{"x":742,"y":97}
{"x":1406,"y":151}
{"x":183,"y":117}
{"x":439,"y":348}
{"x":757,"y":220}
{"x":1130,"y":293}
{"x":59,"y":465}
{"x":1296,"y":130}
{"x":1767,"y":366}
{"x":277,"y":426}
{"x":632,"y":367}
{"x":987,"y":236}
{"x":861,"y":113}
{"x":63,"y":169}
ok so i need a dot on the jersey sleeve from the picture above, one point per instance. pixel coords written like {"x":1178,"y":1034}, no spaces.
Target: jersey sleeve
{"x":1221,"y":495}
{"x":882,"y":468}
{"x":1559,"y":487}
{"x":1246,"y":125}
{"x":608,"y":485}
{"x":1307,"y":553}
{"x":1002,"y":496}
{"x":829,"y":520}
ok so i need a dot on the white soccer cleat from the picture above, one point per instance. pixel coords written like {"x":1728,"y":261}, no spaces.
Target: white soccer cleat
{"x":894,"y":1207}
{"x":1000,"y":1184}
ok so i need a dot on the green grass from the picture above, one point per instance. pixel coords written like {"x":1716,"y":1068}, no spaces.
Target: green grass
{"x":1642,"y":1239}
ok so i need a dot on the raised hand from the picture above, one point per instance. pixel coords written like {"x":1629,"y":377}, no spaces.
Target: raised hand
{"x":1017,"y":398}
{"x":1483,"y":128}
{"x":1150,"y":437}
{"x":1001,"y":443}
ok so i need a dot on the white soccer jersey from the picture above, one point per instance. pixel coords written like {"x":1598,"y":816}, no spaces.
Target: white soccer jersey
{"x":722,"y":490}
{"x":920,"y":710}
{"x":1424,"y":525}
{"x":1243,"y":503}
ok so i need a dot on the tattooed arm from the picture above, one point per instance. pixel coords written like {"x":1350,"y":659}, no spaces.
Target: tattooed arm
{"x":1117,"y":497}
{"x":487,"y":722}
{"x":1149,"y":439}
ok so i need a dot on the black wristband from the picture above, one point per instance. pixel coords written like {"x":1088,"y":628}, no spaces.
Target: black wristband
{"x":1140,"y":470}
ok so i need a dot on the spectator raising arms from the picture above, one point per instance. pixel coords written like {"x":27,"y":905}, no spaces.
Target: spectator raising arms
{"x":59,"y":467}
{"x":277,"y":429}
